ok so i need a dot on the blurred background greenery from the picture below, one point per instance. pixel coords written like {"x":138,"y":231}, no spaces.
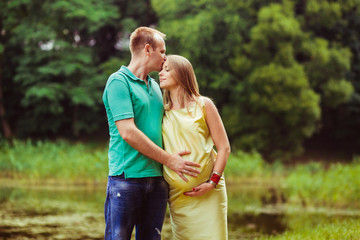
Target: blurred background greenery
{"x":284,"y":74}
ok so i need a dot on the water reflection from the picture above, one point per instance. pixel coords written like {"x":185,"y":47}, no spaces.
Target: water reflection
{"x":51,"y":213}
{"x":266,"y":223}
{"x":54,"y":212}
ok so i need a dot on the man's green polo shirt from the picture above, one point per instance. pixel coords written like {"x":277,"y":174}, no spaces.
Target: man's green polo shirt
{"x":126,"y":96}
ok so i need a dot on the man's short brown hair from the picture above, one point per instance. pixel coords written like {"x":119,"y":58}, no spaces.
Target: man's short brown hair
{"x":142,"y":36}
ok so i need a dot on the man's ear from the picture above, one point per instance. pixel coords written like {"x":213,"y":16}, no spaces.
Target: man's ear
{"x":147,"y":49}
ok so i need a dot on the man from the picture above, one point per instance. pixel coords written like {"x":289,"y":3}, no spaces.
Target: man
{"x":136,"y":192}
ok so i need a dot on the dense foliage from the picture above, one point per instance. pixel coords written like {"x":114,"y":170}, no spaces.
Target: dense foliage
{"x":274,"y":73}
{"x":54,"y":59}
{"x":280,"y":72}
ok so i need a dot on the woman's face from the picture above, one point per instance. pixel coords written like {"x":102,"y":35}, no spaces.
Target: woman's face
{"x":166,"y":80}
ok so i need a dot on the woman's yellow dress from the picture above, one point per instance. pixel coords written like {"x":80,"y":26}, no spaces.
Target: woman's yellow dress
{"x":193,"y":218}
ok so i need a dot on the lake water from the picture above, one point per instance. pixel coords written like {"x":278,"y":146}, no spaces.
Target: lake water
{"x":76,"y":212}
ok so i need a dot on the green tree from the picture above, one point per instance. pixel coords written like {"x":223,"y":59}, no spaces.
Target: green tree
{"x":337,"y":22}
{"x":55,"y":57}
{"x":206,"y":32}
{"x":271,"y":76}
{"x":54,"y":66}
{"x":280,"y":109}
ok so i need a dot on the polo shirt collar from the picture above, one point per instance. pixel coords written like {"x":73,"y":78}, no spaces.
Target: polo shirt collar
{"x":128,"y":73}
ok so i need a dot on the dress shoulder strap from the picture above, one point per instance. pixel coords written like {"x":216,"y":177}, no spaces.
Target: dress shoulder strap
{"x":201,"y":101}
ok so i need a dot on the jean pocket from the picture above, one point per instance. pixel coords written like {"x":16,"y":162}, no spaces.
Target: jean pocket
{"x":118,"y":185}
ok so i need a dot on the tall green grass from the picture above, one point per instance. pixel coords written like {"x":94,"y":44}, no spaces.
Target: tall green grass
{"x":312,"y":184}
{"x":251,"y":166}
{"x":60,"y":160}
{"x":340,"y":230}
{"x":246,"y":165}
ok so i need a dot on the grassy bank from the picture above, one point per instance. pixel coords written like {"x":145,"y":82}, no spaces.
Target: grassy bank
{"x":312,"y":184}
{"x":335,"y":186}
{"x":278,"y":190}
{"x":59,"y":161}
{"x":344,"y":230}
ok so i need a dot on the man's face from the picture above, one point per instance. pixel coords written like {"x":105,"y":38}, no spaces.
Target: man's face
{"x":158,"y":56}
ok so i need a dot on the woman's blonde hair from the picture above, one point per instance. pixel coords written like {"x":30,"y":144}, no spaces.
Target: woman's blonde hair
{"x":183,"y":73}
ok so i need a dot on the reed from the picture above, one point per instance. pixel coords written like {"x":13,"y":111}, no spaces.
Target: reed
{"x":59,"y":161}
{"x":312,"y":184}
{"x":339,"y":230}
{"x":337,"y":185}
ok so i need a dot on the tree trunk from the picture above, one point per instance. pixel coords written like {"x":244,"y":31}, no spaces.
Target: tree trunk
{"x":6,"y":127}
{"x":75,"y":121}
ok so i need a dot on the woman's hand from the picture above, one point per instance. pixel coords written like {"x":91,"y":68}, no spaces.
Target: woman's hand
{"x":200,"y":190}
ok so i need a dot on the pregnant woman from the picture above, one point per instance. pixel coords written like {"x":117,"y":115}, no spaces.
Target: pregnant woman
{"x":198,"y":207}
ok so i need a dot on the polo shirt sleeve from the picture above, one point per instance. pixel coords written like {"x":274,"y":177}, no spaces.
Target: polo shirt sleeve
{"x":119,"y":99}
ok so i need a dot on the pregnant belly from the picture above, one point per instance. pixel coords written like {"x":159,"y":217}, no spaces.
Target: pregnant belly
{"x":176,"y":182}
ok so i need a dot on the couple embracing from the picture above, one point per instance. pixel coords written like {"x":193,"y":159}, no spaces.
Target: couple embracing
{"x":161,"y":148}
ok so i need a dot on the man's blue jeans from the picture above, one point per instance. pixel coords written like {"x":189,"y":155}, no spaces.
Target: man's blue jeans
{"x":139,"y":202}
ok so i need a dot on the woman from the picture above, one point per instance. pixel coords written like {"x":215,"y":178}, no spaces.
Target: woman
{"x":198,"y":207}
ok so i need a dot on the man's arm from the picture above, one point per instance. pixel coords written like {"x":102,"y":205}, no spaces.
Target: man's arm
{"x":139,"y":141}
